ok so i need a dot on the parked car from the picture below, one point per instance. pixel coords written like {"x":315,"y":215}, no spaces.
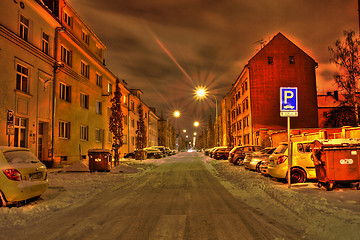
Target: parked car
{"x":237,"y":154}
{"x":302,"y":167}
{"x":207,"y":151}
{"x":253,"y":160}
{"x":222,"y":153}
{"x":22,"y":175}
{"x":214,"y":149}
{"x":153,"y":153}
{"x":130,"y":155}
{"x":161,"y":148}
{"x":168,"y":151}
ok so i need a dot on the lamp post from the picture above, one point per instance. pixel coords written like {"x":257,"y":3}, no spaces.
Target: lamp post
{"x":201,"y":93}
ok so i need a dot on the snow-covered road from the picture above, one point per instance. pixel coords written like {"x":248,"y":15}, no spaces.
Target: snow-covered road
{"x":179,"y":198}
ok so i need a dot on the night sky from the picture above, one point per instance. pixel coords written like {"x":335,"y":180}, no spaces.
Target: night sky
{"x":168,"y":47}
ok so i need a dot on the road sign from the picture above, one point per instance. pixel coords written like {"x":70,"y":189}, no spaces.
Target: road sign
{"x":10,"y":122}
{"x":288,"y":102}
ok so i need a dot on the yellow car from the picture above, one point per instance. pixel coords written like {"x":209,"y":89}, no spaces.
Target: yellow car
{"x":302,"y":166}
{"x":22,"y":175}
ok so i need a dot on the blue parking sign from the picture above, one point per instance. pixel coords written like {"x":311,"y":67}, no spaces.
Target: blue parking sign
{"x":288,"y":102}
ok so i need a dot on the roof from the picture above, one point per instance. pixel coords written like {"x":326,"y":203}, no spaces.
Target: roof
{"x":278,"y":37}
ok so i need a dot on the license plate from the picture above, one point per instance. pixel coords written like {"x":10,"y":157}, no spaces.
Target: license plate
{"x":37,"y":175}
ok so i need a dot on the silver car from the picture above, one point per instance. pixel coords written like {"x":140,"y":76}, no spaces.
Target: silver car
{"x":253,"y":160}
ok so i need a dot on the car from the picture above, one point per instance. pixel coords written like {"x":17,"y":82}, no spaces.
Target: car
{"x":161,"y":148}
{"x":252,"y":161}
{"x":130,"y":155}
{"x":23,"y":176}
{"x":214,"y":149}
{"x":302,"y":167}
{"x":153,"y":153}
{"x":237,"y":154}
{"x":222,"y":153}
{"x":168,"y":151}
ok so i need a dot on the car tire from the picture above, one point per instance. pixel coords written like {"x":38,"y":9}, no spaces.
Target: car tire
{"x":258,"y":167}
{"x":3,"y":202}
{"x":298,"y":175}
{"x":236,"y":162}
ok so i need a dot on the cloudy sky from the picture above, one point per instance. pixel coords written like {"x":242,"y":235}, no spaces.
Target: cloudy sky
{"x":168,"y":47}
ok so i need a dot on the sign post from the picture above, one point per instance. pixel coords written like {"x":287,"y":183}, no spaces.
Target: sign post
{"x":289,"y":108}
{"x":9,"y":124}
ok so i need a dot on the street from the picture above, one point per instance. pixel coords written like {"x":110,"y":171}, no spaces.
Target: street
{"x":179,"y":199}
{"x":185,"y":196}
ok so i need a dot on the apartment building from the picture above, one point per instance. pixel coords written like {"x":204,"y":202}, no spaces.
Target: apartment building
{"x":255,"y":95}
{"x":56,"y":88}
{"x":26,"y":68}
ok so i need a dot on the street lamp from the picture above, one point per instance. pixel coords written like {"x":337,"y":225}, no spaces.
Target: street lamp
{"x":195,"y":133}
{"x":184,"y":130}
{"x":196,"y":123}
{"x":201,"y":93}
{"x":176,"y":114}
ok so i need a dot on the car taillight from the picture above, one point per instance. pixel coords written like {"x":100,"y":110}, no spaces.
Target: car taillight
{"x":12,"y":174}
{"x":281,"y":159}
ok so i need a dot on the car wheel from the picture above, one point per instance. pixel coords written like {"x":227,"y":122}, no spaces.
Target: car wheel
{"x":298,"y":175}
{"x":258,"y":167}
{"x":2,"y":200}
{"x":236,"y":162}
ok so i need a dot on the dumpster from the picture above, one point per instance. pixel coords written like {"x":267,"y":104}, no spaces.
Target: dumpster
{"x":99,"y":160}
{"x":337,"y":161}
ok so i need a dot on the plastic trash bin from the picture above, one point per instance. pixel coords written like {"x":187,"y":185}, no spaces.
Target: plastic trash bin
{"x":99,"y":159}
{"x":336,"y":161}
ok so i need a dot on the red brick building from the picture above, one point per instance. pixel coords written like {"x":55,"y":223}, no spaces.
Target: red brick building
{"x":255,"y":96}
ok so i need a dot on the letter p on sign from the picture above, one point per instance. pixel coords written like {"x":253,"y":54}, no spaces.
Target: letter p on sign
{"x":288,"y":101}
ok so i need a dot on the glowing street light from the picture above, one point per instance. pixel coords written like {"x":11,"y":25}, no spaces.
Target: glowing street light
{"x":187,"y":136}
{"x":201,"y":93}
{"x":195,"y":133}
{"x":177,"y":114}
{"x":184,"y":130}
{"x":196,"y":123}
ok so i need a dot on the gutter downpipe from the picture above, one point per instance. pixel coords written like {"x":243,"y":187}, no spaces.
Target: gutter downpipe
{"x":56,"y":66}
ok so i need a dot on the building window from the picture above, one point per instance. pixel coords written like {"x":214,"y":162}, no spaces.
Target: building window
{"x":84,"y":133}
{"x":64,"y":130}
{"x":67,"y":19}
{"x":20,"y":132}
{"x":132,"y":123}
{"x":84,"y":100}
{"x":110,"y":137}
{"x":98,"y":107}
{"x":65,"y":55}
{"x":291,"y":59}
{"x":125,"y":120}
{"x":125,"y":99}
{"x":270,"y":60}
{"x":133,"y":141}
{"x":85,"y":68}
{"x":65,"y":92}
{"x":98,"y":135}
{"x":132,"y":106}
{"x":247,"y":103}
{"x":98,"y":80}
{"x":24,"y":28}
{"x":45,"y":43}
{"x":109,"y":88}
{"x":125,"y":139}
{"x":85,"y":37}
{"x":22,"y":78}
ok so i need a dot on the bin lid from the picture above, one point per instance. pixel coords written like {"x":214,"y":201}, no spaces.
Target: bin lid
{"x":99,"y":151}
{"x":341,"y":142}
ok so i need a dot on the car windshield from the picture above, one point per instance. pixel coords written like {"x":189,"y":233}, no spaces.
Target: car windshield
{"x":281,"y":148}
{"x":20,"y":157}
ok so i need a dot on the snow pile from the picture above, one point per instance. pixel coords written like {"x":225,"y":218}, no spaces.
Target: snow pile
{"x":312,"y":210}
{"x":79,"y":166}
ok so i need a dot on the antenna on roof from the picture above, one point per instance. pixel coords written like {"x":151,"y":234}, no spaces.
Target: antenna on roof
{"x":262,"y":42}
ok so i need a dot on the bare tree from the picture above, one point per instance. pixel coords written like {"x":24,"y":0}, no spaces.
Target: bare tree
{"x":345,"y":55}
{"x":116,"y":122}
{"x":141,"y":138}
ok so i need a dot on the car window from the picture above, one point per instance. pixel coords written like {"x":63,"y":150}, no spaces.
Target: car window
{"x":20,"y":157}
{"x":281,"y":148}
{"x":304,"y":147}
{"x":258,"y":148}
{"x":270,"y":151}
